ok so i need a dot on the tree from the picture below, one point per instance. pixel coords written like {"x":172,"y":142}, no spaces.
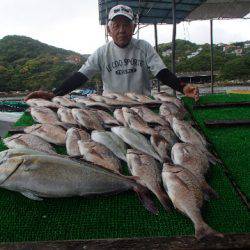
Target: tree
{"x":238,"y":68}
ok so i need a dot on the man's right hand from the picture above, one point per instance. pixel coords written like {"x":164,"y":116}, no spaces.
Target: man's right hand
{"x":39,"y":94}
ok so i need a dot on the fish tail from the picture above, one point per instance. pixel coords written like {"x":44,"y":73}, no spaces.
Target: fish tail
{"x":17,"y":129}
{"x":164,"y":199}
{"x":212,"y":158}
{"x":209,"y":192}
{"x":205,"y":231}
{"x":145,"y":198}
{"x":166,"y":159}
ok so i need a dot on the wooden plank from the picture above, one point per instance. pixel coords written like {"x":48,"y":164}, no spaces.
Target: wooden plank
{"x":227,"y":123}
{"x":230,"y":241}
{"x":221,"y":105}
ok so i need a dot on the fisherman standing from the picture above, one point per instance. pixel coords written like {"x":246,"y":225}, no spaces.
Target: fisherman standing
{"x":124,"y":63}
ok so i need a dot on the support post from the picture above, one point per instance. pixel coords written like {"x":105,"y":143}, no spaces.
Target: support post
{"x":157,"y":50}
{"x":212,"y":55}
{"x":173,"y":38}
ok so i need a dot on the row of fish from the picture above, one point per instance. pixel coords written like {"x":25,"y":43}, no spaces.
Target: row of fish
{"x":37,"y":175}
{"x":144,"y":156}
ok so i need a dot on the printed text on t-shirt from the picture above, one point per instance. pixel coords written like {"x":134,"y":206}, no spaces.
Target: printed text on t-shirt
{"x":125,"y":62}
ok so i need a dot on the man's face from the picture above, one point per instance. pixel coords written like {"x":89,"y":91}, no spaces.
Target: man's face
{"x":121,"y":30}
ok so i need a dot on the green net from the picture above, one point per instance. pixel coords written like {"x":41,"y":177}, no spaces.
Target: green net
{"x":113,"y":216}
{"x":231,"y":143}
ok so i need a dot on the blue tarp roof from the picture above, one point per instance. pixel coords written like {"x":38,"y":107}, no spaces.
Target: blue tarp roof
{"x":151,"y":12}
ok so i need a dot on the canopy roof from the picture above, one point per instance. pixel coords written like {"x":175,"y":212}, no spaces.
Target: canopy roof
{"x":160,"y":11}
{"x":220,"y":9}
{"x":153,"y":11}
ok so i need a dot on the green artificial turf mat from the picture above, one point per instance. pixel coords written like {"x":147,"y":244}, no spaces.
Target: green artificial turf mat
{"x":112,"y":217}
{"x":231,"y":143}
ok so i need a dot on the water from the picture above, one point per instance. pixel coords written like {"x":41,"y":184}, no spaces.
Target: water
{"x":10,"y":116}
{"x":218,"y":89}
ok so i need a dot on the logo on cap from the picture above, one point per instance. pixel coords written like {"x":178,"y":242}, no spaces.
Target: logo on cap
{"x":122,"y":10}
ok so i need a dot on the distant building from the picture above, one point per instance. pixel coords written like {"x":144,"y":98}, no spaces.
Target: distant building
{"x":196,"y":77}
{"x":167,"y":52}
{"x":238,"y":52}
{"x":193,"y":54}
{"x":221,"y":44}
{"x":73,"y":59}
{"x":247,"y":45}
{"x":229,"y":48}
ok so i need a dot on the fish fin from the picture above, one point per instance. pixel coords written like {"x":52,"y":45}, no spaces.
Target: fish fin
{"x":212,"y":158}
{"x":177,"y":134}
{"x":136,"y":178}
{"x":65,"y":125}
{"x":80,"y":105}
{"x":178,"y":179}
{"x":205,"y":231}
{"x":208,"y":191}
{"x":31,"y":196}
{"x":144,"y":196}
{"x":18,"y":129}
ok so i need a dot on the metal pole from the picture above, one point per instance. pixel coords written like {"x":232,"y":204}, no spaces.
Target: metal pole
{"x":106,"y":26}
{"x":173,"y":39}
{"x":157,"y":50}
{"x":212,"y":56}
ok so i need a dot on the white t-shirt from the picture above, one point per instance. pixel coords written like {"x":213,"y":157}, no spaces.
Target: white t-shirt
{"x":124,"y":69}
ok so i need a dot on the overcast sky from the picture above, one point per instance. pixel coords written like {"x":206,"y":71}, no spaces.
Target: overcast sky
{"x":74,"y":25}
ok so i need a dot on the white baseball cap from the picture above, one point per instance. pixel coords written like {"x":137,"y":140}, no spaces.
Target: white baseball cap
{"x":121,"y":10}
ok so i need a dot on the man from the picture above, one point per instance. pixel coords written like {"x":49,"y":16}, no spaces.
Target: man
{"x":124,"y":63}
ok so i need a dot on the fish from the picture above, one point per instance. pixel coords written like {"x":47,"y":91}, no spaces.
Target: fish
{"x":167,"y":133}
{"x":190,"y":157}
{"x":44,"y":115}
{"x":64,"y":101}
{"x":65,"y":115}
{"x":165,"y":97}
{"x":104,"y":99}
{"x":107,"y":118}
{"x":148,"y":170}
{"x":120,"y":98}
{"x":48,"y":132}
{"x":73,"y":135}
{"x":149,"y":116}
{"x":28,"y":141}
{"x":184,"y":191}
{"x":93,"y":104}
{"x":87,"y":119}
{"x":169,"y":110}
{"x":39,"y":102}
{"x":134,"y":121}
{"x":97,"y":98}
{"x":99,"y":154}
{"x":186,"y":133}
{"x":161,"y":146}
{"x":118,"y":114}
{"x":135,"y":140}
{"x":43,"y":176}
{"x":112,"y":142}
{"x":141,"y":98}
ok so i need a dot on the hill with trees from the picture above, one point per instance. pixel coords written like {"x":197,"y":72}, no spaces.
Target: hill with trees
{"x":28,"y":64}
{"x":232,"y":61}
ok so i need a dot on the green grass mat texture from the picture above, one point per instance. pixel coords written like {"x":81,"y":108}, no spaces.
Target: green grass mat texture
{"x":231,"y":143}
{"x":116,"y":216}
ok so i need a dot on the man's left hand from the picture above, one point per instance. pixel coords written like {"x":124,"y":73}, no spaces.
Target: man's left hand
{"x":191,"y":91}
